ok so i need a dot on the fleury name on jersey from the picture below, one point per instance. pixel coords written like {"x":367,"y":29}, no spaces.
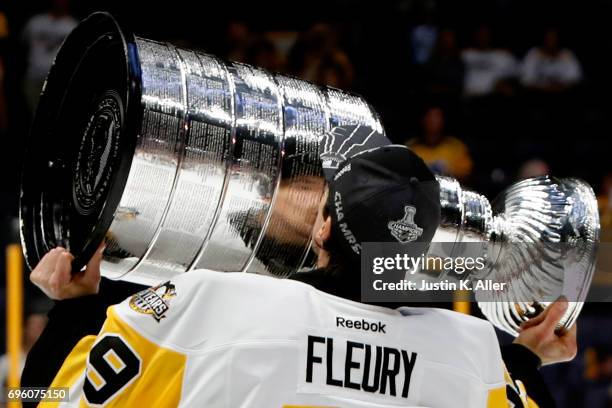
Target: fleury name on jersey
{"x":365,"y":367}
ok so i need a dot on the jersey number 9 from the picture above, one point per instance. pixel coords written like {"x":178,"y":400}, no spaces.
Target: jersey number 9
{"x":111,"y":367}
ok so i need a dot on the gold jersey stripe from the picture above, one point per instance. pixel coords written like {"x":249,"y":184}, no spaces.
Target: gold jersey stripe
{"x":72,"y":368}
{"x":114,"y":361}
{"x":497,"y":398}
{"x":95,"y":378}
{"x":531,"y":403}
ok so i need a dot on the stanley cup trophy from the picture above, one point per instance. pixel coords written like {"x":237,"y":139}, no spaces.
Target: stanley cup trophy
{"x":181,"y":161}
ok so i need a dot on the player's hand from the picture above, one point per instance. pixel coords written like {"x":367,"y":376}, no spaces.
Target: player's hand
{"x":53,"y":275}
{"x":539,"y":335}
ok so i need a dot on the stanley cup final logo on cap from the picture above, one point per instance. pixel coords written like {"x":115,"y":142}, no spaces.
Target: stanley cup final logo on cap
{"x":405,"y":230}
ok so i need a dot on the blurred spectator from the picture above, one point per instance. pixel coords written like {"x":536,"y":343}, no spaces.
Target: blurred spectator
{"x":423,"y":39}
{"x":445,"y":69}
{"x":4,"y":28}
{"x":533,"y":168}
{"x":604,"y":201}
{"x":43,"y":35}
{"x":443,"y":154}
{"x":332,"y":72}
{"x":283,"y":41}
{"x":486,"y":67}
{"x":598,"y":372}
{"x":262,"y":52}
{"x":317,"y":55}
{"x":237,"y":37}
{"x":549,"y":67}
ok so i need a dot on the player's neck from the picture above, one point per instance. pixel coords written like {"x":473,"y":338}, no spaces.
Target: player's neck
{"x":323,"y":258}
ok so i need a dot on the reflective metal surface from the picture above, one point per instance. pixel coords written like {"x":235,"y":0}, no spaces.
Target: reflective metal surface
{"x":225,"y":172}
{"x":540,"y":237}
{"x":146,"y":202}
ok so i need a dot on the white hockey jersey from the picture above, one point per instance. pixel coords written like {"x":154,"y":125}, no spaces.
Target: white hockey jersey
{"x":211,"y":339}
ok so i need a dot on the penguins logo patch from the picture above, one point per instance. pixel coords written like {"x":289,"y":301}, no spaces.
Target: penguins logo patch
{"x":154,"y":301}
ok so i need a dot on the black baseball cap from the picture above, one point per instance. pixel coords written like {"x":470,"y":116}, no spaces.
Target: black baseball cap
{"x":378,"y":192}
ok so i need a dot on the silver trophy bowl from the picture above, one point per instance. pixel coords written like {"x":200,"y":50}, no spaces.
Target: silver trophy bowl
{"x":177,"y":159}
{"x":539,"y":237}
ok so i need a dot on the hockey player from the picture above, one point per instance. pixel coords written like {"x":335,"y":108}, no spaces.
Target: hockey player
{"x":211,"y":339}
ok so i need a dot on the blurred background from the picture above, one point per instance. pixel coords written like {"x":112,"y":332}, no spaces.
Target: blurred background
{"x":487,"y":91}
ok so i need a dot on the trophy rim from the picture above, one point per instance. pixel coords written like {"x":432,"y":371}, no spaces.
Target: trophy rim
{"x":74,"y":48}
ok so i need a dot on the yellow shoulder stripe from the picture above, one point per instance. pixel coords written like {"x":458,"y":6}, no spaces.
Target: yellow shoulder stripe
{"x":148,"y":389}
{"x":72,"y":368}
{"x":497,"y":398}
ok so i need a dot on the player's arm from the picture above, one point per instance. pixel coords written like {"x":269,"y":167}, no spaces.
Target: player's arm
{"x":80,"y":307}
{"x":525,"y":386}
{"x":538,"y":343}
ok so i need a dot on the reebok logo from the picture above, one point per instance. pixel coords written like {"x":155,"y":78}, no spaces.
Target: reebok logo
{"x":375,"y":327}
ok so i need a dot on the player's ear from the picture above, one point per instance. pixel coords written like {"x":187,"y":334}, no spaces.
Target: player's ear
{"x":324,"y":233}
{"x":322,"y":228}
